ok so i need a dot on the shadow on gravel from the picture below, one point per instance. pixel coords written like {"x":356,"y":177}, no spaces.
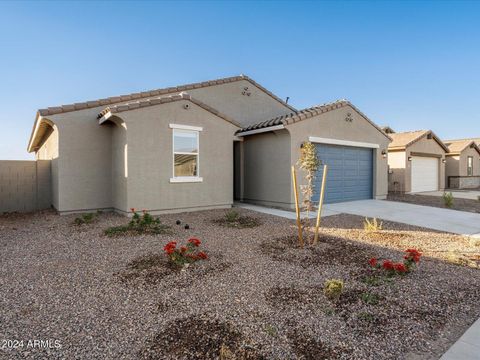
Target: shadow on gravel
{"x":197,"y":338}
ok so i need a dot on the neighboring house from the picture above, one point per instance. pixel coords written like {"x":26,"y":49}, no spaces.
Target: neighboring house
{"x":354,"y":148}
{"x":463,"y":164}
{"x":191,"y":147}
{"x":416,"y":162}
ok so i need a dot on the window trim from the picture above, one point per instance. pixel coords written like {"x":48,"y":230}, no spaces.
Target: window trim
{"x":185,"y":129}
{"x":469,"y":162}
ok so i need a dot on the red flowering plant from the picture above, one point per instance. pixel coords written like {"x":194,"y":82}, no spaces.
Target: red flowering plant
{"x":411,"y":258}
{"x":185,"y":254}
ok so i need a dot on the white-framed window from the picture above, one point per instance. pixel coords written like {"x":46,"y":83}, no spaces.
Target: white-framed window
{"x":186,"y":153}
{"x":470,"y":166}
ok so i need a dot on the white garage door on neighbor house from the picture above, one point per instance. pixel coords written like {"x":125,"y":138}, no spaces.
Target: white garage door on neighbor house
{"x":425,"y":174}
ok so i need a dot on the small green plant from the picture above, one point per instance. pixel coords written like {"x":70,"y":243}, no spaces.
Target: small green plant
{"x":139,"y":224}
{"x":372,"y":226}
{"x":370,"y":298}
{"x":365,"y":316}
{"x":234,"y":220}
{"x":231,"y":216}
{"x":271,"y":330}
{"x":333,"y":289}
{"x":447,"y":199}
{"x":309,"y":163}
{"x":85,"y":219}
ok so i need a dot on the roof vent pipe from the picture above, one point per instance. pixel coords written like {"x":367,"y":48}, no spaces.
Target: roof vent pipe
{"x":286,"y":100}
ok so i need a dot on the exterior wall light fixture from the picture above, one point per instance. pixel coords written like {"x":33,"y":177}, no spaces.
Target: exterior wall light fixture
{"x":409,"y":158}
{"x":384,"y":153}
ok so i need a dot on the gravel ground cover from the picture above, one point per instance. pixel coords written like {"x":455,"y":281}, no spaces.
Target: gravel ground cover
{"x":437,"y":201}
{"x":258,"y":296}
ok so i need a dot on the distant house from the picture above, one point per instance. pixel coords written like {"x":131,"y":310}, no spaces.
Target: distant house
{"x":463,"y":164}
{"x":202,"y":146}
{"x":416,"y":162}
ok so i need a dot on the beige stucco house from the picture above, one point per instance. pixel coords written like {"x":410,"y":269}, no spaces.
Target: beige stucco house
{"x":416,"y":162}
{"x":354,"y":148}
{"x":192,"y":147}
{"x":463,"y":164}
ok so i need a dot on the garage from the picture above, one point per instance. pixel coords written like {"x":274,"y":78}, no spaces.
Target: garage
{"x":425,"y":174}
{"x":416,"y":162}
{"x":350,"y":173}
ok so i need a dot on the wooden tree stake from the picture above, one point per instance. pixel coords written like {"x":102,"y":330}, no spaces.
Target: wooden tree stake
{"x":320,"y":203}
{"x":297,"y":207}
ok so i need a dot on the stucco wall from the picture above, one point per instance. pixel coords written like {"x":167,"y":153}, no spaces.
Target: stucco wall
{"x":396,"y":177}
{"x":246,"y":110}
{"x":25,"y":185}
{"x":332,"y":125}
{"x":119,"y":165}
{"x":150,"y":159}
{"x":267,"y":179}
{"x":424,"y":146}
{"x":463,"y":162}
{"x":49,"y":151}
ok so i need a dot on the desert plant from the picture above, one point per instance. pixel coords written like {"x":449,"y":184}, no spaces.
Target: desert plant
{"x":309,"y":163}
{"x":365,"y":316}
{"x":370,"y":298}
{"x":139,"y":224}
{"x":447,"y":199}
{"x":184,"y":254}
{"x":372,"y":226}
{"x":333,"y":289}
{"x":85,"y":219}
{"x":232,"y":216}
{"x":233,"y":219}
{"x":410,"y":260}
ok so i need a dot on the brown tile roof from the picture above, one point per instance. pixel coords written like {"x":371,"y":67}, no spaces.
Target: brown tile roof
{"x":162,"y":100}
{"x":307,"y":113}
{"x":154,"y":93}
{"x":405,"y":139}
{"x":457,"y":146}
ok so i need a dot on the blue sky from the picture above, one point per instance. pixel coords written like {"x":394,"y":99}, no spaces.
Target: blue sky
{"x":411,"y":65}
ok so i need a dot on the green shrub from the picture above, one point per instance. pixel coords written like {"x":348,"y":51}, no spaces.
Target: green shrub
{"x":333,"y":289}
{"x":447,"y":199}
{"x":139,"y":224}
{"x":232,"y":216}
{"x":372,"y":225}
{"x":370,"y":298}
{"x":85,"y":219}
{"x":234,"y":220}
{"x":365,"y":316}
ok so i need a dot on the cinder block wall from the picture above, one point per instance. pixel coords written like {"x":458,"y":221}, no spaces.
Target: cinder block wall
{"x":25,"y":185}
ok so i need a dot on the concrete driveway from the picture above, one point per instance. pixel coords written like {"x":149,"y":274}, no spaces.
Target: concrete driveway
{"x":460,"y":194}
{"x":453,"y":221}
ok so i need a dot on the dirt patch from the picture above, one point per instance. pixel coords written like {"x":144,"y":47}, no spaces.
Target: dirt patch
{"x":331,"y":250}
{"x":309,"y":348}
{"x":199,"y":338}
{"x":233,"y":219}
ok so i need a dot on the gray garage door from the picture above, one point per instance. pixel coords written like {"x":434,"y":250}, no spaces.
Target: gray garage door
{"x":350,"y":173}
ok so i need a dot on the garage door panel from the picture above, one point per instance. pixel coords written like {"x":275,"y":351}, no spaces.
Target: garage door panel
{"x":350,"y":173}
{"x":425,"y":174}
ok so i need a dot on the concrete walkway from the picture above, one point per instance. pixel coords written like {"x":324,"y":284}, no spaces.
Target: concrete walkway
{"x":457,"y":194}
{"x":467,"y":347}
{"x":453,"y":221}
{"x":457,"y":222}
{"x":282,"y":213}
